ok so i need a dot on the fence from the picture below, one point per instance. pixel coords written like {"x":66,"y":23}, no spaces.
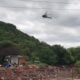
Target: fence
{"x":53,"y":73}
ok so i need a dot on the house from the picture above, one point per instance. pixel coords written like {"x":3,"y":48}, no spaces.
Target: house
{"x":15,"y":60}
{"x":11,"y":54}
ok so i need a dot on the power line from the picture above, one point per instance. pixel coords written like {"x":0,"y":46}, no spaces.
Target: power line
{"x":33,"y":8}
{"x":48,"y":1}
{"x":40,"y":1}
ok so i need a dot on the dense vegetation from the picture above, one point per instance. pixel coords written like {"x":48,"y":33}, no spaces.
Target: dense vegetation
{"x":36,"y":51}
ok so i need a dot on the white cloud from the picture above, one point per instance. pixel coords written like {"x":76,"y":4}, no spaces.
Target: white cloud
{"x":63,"y":28}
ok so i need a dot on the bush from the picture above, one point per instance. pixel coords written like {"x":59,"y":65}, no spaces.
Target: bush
{"x":77,"y":65}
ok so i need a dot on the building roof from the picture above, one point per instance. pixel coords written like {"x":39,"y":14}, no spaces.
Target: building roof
{"x":8,"y":49}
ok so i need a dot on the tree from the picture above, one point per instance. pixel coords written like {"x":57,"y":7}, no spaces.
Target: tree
{"x":8,"y":48}
{"x":47,"y":55}
{"x":75,"y":52}
{"x":62,"y":55}
{"x":77,"y":65}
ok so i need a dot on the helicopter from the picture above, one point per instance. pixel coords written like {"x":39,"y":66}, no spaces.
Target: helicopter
{"x":46,"y":16}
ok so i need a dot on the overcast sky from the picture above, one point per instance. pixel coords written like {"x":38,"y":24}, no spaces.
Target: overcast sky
{"x":63,"y":28}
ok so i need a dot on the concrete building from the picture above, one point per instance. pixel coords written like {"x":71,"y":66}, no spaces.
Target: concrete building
{"x":15,"y":60}
{"x":11,"y":54}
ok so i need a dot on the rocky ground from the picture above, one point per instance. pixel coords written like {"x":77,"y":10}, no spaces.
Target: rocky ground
{"x":26,"y":73}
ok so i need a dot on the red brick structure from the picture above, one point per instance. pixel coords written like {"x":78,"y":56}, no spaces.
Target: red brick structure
{"x":21,"y":60}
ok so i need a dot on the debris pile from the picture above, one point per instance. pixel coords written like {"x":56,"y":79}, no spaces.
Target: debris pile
{"x":26,"y":73}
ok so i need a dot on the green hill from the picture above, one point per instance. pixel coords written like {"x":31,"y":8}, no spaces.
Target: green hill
{"x":32,"y":48}
{"x":27,"y":44}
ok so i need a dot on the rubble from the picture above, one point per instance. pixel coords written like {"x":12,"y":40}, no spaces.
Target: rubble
{"x":32,"y":73}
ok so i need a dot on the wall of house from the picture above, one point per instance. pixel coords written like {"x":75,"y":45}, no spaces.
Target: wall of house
{"x":17,"y":59}
{"x":14,"y":60}
{"x":21,"y":60}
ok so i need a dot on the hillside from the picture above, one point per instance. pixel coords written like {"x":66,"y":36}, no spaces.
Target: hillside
{"x":33,"y":49}
{"x":27,"y":44}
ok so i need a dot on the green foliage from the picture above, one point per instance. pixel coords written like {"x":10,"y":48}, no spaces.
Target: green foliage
{"x":8,"y":48}
{"x":75,"y":52}
{"x":34,"y":49}
{"x":2,"y":59}
{"x":47,"y":55}
{"x":63,"y":57}
{"x":77,"y":65}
